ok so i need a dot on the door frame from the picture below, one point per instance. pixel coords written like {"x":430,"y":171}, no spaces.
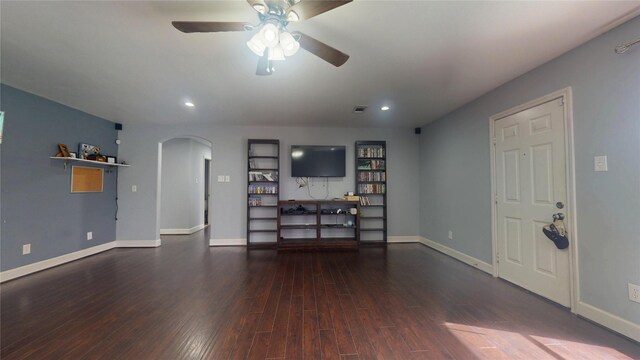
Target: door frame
{"x":566,"y":95}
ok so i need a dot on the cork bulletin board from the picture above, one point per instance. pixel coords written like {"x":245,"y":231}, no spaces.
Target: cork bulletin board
{"x":86,"y":179}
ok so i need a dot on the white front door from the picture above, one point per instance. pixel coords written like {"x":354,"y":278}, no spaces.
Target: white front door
{"x":530,"y":180}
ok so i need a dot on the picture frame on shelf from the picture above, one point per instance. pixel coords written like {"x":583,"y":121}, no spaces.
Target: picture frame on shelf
{"x":84,"y":150}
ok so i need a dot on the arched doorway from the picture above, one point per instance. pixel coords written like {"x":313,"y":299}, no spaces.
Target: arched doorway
{"x":184,"y":185}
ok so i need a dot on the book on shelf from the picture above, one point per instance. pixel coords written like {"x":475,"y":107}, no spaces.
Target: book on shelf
{"x":364,"y":201}
{"x":368,"y":164}
{"x":263,"y":189}
{"x":262,"y":176}
{"x":255,"y":201}
{"x":371,"y":151}
{"x":372,"y":176}
{"x":371,"y":188}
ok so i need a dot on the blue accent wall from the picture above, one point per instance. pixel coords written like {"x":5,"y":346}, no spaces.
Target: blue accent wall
{"x":37,"y":205}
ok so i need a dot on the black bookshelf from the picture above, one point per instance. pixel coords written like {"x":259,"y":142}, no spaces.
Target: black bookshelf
{"x":263,"y":189}
{"x":371,"y":186}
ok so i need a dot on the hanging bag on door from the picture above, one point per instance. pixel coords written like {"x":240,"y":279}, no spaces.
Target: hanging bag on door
{"x":556,"y":232}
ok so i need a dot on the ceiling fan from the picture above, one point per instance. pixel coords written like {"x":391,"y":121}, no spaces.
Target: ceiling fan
{"x":273,"y":42}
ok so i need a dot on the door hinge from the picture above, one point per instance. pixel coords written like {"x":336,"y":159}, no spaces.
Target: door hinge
{"x":494,"y":141}
{"x":496,"y":199}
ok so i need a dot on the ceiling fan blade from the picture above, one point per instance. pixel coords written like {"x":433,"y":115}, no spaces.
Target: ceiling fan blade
{"x":208,"y":26}
{"x":264,"y":66}
{"x":307,"y":9}
{"x":322,"y":50}
{"x":259,"y":6}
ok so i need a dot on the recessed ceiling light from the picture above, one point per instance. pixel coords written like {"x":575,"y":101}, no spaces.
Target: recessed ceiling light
{"x":385,"y":108}
{"x":189,"y":104}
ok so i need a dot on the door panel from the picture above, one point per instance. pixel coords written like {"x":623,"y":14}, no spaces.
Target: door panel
{"x":513,"y":232}
{"x":530,"y":179}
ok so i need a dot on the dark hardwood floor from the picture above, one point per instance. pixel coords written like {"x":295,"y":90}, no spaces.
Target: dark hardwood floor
{"x":188,"y":301}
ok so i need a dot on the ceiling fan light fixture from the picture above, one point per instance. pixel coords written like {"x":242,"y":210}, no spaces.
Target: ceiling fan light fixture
{"x":289,"y":45}
{"x":293,"y":16}
{"x":269,"y":34}
{"x":256,"y":45}
{"x":276,"y":53}
{"x":260,"y":8}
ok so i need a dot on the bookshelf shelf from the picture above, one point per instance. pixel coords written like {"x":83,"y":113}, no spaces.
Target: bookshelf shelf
{"x":263,"y":189}
{"x":371,"y":185}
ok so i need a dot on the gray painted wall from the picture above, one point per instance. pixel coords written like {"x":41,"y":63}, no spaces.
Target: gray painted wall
{"x":228,"y":200}
{"x":455,"y":173}
{"x":182,"y":183}
{"x":37,"y":206}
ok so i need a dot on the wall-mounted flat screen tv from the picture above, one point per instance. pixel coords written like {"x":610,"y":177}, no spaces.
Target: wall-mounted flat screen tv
{"x":317,"y":161}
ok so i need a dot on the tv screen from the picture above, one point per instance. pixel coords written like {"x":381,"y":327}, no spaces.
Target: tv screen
{"x":317,"y":161}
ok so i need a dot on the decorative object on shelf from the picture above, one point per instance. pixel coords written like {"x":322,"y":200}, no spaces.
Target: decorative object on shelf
{"x":64,"y":150}
{"x":112,"y":160}
{"x":73,"y":155}
{"x":84,"y":150}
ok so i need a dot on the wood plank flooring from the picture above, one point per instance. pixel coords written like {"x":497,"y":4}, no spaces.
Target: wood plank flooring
{"x":188,"y":301}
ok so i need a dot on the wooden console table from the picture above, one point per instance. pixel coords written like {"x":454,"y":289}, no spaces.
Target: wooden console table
{"x":318,"y":224}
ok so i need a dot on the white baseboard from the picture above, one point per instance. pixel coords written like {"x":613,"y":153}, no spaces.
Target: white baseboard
{"x":49,"y":263}
{"x":403,"y":239}
{"x":227,"y":242}
{"x":138,"y":243}
{"x":470,"y":260}
{"x":181,"y":231}
{"x":613,"y":322}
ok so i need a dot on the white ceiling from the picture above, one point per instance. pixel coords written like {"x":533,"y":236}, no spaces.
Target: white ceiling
{"x":123,"y":61}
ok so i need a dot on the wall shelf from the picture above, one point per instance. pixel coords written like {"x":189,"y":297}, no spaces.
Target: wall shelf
{"x":67,"y":159}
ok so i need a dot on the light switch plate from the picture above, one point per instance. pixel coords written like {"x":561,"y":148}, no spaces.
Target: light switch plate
{"x":90,"y":235}
{"x":134,"y":188}
{"x":26,"y":249}
{"x":220,"y":178}
{"x":600,"y":163}
{"x":227,"y":178}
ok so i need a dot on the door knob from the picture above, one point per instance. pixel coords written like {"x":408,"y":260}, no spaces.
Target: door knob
{"x":560,"y":205}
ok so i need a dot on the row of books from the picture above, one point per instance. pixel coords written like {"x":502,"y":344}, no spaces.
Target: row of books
{"x":371,"y":152}
{"x":263,"y":189}
{"x":370,"y":164}
{"x":372,"y":176}
{"x":371,"y":188}
{"x":263,"y":176}
{"x":364,"y":201}
{"x":255,"y":201}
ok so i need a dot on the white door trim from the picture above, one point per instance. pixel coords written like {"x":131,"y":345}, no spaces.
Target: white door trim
{"x":570,"y":210}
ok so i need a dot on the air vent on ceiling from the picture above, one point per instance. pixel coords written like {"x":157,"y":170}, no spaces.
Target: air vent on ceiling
{"x":359,"y":109}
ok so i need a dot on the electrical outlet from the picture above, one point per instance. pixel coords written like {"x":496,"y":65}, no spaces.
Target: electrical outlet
{"x":634,"y":292}
{"x":450,"y":235}
{"x":220,"y":178}
{"x":227,"y":178}
{"x":90,"y":235}
{"x":26,"y":249}
{"x":134,"y":188}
